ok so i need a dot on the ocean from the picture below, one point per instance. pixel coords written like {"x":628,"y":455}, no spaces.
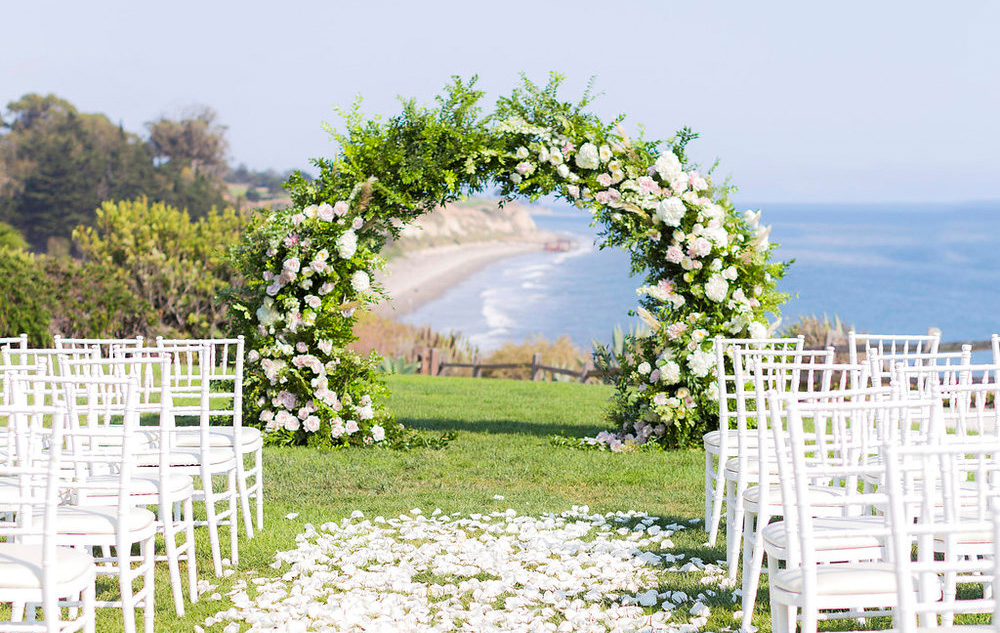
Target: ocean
{"x":884,"y":268}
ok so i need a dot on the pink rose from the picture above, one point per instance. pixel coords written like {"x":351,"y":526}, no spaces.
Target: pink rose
{"x":674,"y":254}
{"x":341,"y":208}
{"x":325,"y":212}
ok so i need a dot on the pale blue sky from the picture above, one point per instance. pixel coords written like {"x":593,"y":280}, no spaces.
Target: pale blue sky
{"x":802,"y":101}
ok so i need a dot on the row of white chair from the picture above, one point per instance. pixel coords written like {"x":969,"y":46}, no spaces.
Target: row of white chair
{"x":186,"y":378}
{"x":814,"y":376}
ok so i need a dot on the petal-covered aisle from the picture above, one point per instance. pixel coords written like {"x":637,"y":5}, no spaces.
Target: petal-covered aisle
{"x":484,"y":572}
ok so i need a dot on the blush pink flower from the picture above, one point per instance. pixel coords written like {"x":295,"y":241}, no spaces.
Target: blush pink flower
{"x":674,"y":254}
{"x":699,"y":247}
{"x":341,"y":208}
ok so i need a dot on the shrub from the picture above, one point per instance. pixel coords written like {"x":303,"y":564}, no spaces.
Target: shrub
{"x":26,"y":304}
{"x":177,"y":264}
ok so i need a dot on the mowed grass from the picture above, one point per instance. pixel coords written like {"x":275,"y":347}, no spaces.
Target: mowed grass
{"x":501,"y":449}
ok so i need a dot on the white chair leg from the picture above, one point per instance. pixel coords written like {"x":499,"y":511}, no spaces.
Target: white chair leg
{"x":89,"y":598}
{"x":783,"y":617}
{"x":148,"y":584}
{"x":192,"y":565}
{"x":241,"y":482}
{"x":734,"y":531}
{"x":173,"y":565}
{"x":717,"y":498}
{"x":258,"y":484}
{"x":125,"y":576}
{"x":753,"y":563}
{"x":234,"y":517}
{"x":208,"y":489}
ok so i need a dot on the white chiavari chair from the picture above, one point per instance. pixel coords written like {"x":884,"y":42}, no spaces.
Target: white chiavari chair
{"x":808,"y":589}
{"x":742,"y":472}
{"x":156,"y":481}
{"x":34,"y":571}
{"x":14,"y":341}
{"x":100,"y":421}
{"x":942,"y":497}
{"x":890,"y":345}
{"x":201,"y":459}
{"x":723,"y":444}
{"x":103,"y":347}
{"x":226,"y":401}
{"x":815,"y":385}
{"x":995,"y":340}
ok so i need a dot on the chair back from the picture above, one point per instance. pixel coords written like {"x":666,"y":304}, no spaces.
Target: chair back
{"x":103,"y":347}
{"x":14,"y":341}
{"x":725,"y":348}
{"x":891,"y":344}
{"x":940,"y":496}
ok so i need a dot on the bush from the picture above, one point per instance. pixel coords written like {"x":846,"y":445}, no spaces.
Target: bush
{"x":44,"y":296}
{"x":26,"y":304}
{"x":392,"y":339}
{"x":178,"y":265}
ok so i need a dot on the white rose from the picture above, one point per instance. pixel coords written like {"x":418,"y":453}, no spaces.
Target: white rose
{"x":668,"y":167}
{"x":587,"y":157}
{"x":360,"y":281}
{"x":267,"y":314}
{"x":521,"y":153}
{"x":347,"y":245}
{"x":729,"y":273}
{"x":562,"y":170}
{"x":644,"y":368}
{"x":604,"y":153}
{"x":670,"y":211}
{"x":378,"y":433}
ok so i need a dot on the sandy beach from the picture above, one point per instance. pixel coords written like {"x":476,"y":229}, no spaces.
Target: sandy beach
{"x":424,"y":275}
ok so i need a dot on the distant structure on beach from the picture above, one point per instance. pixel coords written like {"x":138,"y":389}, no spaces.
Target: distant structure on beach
{"x":560,"y":245}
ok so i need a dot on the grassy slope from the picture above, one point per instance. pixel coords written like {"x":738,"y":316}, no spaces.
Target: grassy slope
{"x":501,"y":449}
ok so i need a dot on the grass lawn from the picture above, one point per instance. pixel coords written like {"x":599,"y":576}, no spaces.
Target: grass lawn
{"x":501,"y":449}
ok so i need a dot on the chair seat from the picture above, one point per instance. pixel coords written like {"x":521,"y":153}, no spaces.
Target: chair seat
{"x":713,"y":439}
{"x":752,"y":470}
{"x":21,"y":566}
{"x":99,"y":521}
{"x":827,"y":538}
{"x":177,"y":485}
{"x":821,"y":496}
{"x":847,"y":580}
{"x":185,"y":457}
{"x":250,"y":437}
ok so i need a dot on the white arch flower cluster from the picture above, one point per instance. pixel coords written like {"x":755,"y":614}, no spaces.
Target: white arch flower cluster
{"x":501,"y":571}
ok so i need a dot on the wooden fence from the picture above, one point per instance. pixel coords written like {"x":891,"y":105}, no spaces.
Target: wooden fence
{"x":432,"y":361}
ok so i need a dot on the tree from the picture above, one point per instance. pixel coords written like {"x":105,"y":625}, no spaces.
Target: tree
{"x":57,"y":165}
{"x":190,"y":159}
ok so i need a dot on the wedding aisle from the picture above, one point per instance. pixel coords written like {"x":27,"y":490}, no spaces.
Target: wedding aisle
{"x":501,"y":571}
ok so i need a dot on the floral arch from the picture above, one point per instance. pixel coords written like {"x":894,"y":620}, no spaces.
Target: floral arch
{"x":307,"y":269}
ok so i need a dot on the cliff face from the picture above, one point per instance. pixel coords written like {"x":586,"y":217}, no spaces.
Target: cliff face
{"x":472,"y":220}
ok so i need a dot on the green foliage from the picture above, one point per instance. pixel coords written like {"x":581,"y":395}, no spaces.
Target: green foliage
{"x":49,"y":295}
{"x":95,"y":300}
{"x":397,"y":366}
{"x":26,"y":306}
{"x":11,"y":238}
{"x":177,"y":264}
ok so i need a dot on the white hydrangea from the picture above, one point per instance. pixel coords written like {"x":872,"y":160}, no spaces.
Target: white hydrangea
{"x":587,"y":157}
{"x":717,"y":288}
{"x":267,"y":314}
{"x":670,"y":211}
{"x":347,"y":245}
{"x":670,"y":373}
{"x":700,"y":362}
{"x":360,"y":281}
{"x":668,"y":167}
{"x":758,"y":330}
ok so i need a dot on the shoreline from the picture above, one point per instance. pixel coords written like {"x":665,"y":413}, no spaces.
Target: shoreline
{"x":420,"y":276}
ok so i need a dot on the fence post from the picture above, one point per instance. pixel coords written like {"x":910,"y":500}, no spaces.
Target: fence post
{"x":433,"y":362}
{"x":587,"y":366}
{"x":422,"y":361}
{"x":477,"y":369}
{"x":536,"y":360}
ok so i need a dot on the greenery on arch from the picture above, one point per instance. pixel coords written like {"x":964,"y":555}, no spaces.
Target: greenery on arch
{"x":307,"y":269}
